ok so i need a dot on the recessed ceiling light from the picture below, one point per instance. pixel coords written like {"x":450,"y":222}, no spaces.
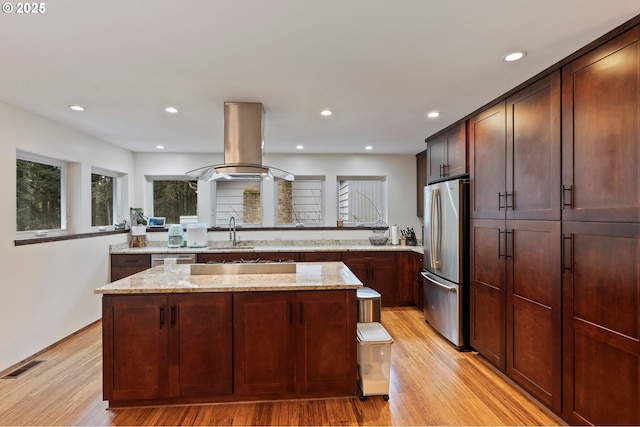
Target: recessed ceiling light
{"x":514,"y":56}
{"x":433,"y":114}
{"x":76,"y":107}
{"x":368,"y":147}
{"x":299,"y":147}
{"x":160,"y":147}
{"x":326,"y":112}
{"x":171,"y":110}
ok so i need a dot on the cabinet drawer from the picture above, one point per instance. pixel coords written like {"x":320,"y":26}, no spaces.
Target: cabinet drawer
{"x":131,"y":261}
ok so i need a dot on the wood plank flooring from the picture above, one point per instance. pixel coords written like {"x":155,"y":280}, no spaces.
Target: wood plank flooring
{"x":431,"y":384}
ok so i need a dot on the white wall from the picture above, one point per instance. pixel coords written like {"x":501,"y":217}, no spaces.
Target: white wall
{"x":46,"y":292}
{"x":400,"y":171}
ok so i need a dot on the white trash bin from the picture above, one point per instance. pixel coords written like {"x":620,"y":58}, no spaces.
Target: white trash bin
{"x":374,"y":360}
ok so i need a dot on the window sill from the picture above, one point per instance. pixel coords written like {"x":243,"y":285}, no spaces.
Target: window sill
{"x":34,"y":240}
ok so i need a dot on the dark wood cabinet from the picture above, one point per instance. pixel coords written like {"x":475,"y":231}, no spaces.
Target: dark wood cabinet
{"x":418,"y":289}
{"x":223,"y":257}
{"x":601,"y":309}
{"x":123,"y":265}
{"x":159,"y":346}
{"x":487,"y":157}
{"x":447,"y":154}
{"x":408,"y":273}
{"x":320,"y":256}
{"x":488,"y":281}
{"x":421,"y":181}
{"x":302,"y":342}
{"x":376,"y":270}
{"x":532,"y":187}
{"x":600,"y":150}
{"x":533,"y":317}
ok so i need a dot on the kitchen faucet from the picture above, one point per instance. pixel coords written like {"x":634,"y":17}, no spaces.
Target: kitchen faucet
{"x":232,"y":230}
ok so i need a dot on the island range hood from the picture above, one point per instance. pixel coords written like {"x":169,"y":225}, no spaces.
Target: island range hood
{"x":243,"y":144}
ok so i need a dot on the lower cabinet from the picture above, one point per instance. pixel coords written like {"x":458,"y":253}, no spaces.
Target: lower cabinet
{"x":515,"y":302}
{"x":601,"y":299}
{"x":376,"y":270}
{"x":166,"y":346}
{"x":201,"y":347}
{"x":407,"y":274}
{"x":295,"y":343}
{"x":123,"y":265}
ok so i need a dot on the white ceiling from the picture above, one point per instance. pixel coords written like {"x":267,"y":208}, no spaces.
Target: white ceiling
{"x":380,"y":65}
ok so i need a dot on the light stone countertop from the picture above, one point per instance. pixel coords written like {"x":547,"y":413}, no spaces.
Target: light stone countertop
{"x":156,"y":247}
{"x":308,"y":276}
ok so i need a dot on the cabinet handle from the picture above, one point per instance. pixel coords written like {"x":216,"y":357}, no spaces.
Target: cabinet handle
{"x":506,"y":205}
{"x":500,"y":196}
{"x":173,"y":315}
{"x":564,"y":198}
{"x":499,"y":243}
{"x":161,"y":317}
{"x":441,"y":170}
{"x":564,"y":252}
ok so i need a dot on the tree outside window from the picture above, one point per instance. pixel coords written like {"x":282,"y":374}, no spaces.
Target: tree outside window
{"x":102,"y":200}
{"x":39,"y":195}
{"x":175,"y":198}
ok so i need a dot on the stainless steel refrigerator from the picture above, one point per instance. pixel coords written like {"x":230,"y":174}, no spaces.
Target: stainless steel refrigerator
{"x":446,"y":288}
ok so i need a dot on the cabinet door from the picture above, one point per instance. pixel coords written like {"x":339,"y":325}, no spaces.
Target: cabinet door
{"x":488,"y":290}
{"x":600,"y":149}
{"x":200,"y":345}
{"x":376,"y":271}
{"x":601,"y":325}
{"x":421,"y":181}
{"x":135,"y":341}
{"x":417,"y":280}
{"x":456,"y":163}
{"x":487,"y":152}
{"x":534,"y":322}
{"x":326,"y":342}
{"x":437,"y":159}
{"x":264,"y":342}
{"x":406,"y":277}
{"x":123,"y":265}
{"x":533,"y":151}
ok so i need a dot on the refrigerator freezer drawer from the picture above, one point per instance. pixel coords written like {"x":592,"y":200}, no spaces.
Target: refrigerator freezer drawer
{"x":443,"y":309}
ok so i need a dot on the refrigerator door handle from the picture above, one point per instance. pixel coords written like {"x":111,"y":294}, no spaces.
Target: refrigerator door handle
{"x":435,"y":229}
{"x":449,"y":288}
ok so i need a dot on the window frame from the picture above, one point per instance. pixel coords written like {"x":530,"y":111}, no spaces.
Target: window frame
{"x":383,"y":209}
{"x":64,"y":194}
{"x":151,"y":198}
{"x":322,"y":211}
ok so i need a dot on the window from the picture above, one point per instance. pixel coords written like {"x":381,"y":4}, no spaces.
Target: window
{"x":103,"y":199}
{"x":239,"y":199}
{"x":40,"y":193}
{"x":300,"y":201}
{"x":361,"y":200}
{"x":175,"y":198}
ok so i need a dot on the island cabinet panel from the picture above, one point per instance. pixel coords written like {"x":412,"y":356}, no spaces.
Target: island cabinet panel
{"x":264,"y":342}
{"x":295,"y":342}
{"x":601,"y":131}
{"x":123,"y":265}
{"x":200,"y":345}
{"x":135,"y":344}
{"x":376,"y":270}
{"x":601,"y":310}
{"x":158,"y":347}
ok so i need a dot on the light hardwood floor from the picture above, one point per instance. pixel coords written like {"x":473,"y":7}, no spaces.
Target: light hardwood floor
{"x":431,"y":384}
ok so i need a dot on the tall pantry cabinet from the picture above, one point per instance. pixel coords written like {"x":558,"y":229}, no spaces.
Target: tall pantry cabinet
{"x":515,"y":318}
{"x":601,"y":234}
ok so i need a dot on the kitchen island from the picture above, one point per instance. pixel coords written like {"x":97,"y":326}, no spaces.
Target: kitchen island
{"x":171,"y":337}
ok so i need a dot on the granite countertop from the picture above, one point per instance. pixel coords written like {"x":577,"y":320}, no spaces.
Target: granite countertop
{"x":156,"y":247}
{"x":308,"y":276}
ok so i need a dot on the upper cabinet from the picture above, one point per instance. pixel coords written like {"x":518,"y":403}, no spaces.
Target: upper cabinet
{"x":600,"y":150}
{"x":533,"y":151}
{"x":421,"y":181}
{"x":447,"y":154}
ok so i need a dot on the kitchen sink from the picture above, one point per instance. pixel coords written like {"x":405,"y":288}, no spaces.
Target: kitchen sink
{"x":244,"y":268}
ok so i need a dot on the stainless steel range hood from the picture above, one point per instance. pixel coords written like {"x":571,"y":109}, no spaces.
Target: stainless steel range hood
{"x":243,"y":144}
